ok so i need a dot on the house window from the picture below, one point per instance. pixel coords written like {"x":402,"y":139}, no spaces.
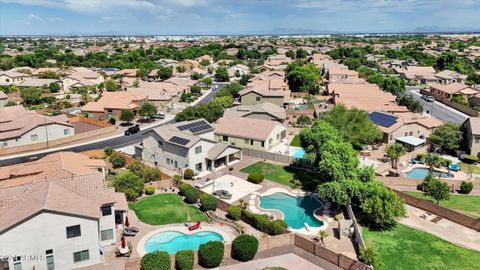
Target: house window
{"x":5,"y":143}
{"x":160,"y":144}
{"x":81,"y":256}
{"x":106,"y":210}
{"x":257,"y":98}
{"x":406,"y":133}
{"x":7,"y":80}
{"x":17,"y":264}
{"x":278,"y":136}
{"x":73,"y":231}
{"x":410,"y":133}
{"x":66,"y":131}
{"x":391,"y":136}
{"x":106,"y":234}
{"x":176,"y":164}
{"x":198,"y":167}
{"x":168,"y":161}
{"x":34,"y":137}
{"x":246,"y":141}
{"x":263,"y":143}
{"x":225,"y":138}
{"x":251,"y":142}
{"x":50,"y":260}
{"x":270,"y":141}
{"x":198,"y":149}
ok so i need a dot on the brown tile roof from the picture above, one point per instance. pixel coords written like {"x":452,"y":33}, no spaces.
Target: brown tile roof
{"x":450,"y":88}
{"x":475,"y":125}
{"x":116,"y":101}
{"x":56,"y":165}
{"x":242,"y":127}
{"x":16,"y":121}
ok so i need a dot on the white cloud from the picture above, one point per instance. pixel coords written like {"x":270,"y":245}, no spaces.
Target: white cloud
{"x":31,"y":18}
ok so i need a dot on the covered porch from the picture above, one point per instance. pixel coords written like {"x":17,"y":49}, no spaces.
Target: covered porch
{"x":411,"y":143}
{"x":222,"y":155}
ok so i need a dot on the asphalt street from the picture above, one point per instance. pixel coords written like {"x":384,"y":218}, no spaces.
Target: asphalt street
{"x":438,"y":109}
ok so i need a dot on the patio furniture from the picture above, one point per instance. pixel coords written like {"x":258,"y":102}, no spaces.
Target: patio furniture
{"x":195,"y":226}
{"x":133,"y":229}
{"x":453,"y":167}
{"x":128,"y":232}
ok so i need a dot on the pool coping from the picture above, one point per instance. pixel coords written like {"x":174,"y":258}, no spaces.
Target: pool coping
{"x":313,"y":230}
{"x":417,"y":166}
{"x":181,"y":228}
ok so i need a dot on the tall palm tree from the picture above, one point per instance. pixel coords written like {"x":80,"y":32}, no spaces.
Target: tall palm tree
{"x":323,"y":234}
{"x":394,"y":152}
{"x":433,"y":159}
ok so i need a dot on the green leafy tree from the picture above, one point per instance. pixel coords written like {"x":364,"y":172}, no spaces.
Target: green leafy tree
{"x":148,"y":110}
{"x":312,"y":139}
{"x":111,"y":86}
{"x":338,"y":161}
{"x":370,"y":255}
{"x":54,"y":87}
{"x":244,"y":247}
{"x":207,"y":81}
{"x":304,"y":120}
{"x":301,"y":53}
{"x":136,"y":84}
{"x":433,"y":160}
{"x":448,"y":136}
{"x":303,"y":77}
{"x":382,"y":206}
{"x":164,"y":73}
{"x":130,"y":184}
{"x":437,"y":189}
{"x":157,"y":260}
{"x":221,"y":74}
{"x":394,"y":152}
{"x":184,"y":259}
{"x":211,"y":254}
{"x":127,"y":115}
{"x":366,"y":174}
{"x":31,"y":95}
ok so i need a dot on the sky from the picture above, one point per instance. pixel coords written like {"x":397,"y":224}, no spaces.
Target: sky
{"x":168,"y":17}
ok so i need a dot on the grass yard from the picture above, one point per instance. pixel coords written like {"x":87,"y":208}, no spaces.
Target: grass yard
{"x":465,"y":204}
{"x":165,"y":208}
{"x":295,"y":141}
{"x":283,"y":174}
{"x":407,"y":248}
{"x":465,"y":166}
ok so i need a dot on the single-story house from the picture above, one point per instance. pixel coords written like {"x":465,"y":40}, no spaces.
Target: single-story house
{"x":112,"y":103}
{"x":12,"y":77}
{"x":448,"y":76}
{"x":448,"y":91}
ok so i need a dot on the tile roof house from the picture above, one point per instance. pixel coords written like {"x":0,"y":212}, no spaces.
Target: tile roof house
{"x":335,"y":75}
{"x":80,"y":76}
{"x":420,"y":75}
{"x":187,"y":144}
{"x":21,"y":127}
{"x":448,"y":76}
{"x":112,"y":103}
{"x":55,"y":165}
{"x":362,"y":95}
{"x":253,"y":95}
{"x":453,"y":89}
{"x":12,"y":77}
{"x":35,"y":82}
{"x":251,"y":133}
{"x":266,"y":111}
{"x":3,"y":99}
{"x":69,"y":219}
{"x":471,"y":129}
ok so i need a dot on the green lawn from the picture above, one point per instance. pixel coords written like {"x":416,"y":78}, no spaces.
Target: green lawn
{"x":407,"y":248}
{"x":295,"y":141}
{"x":465,"y":166}
{"x":283,"y":174}
{"x":165,"y":209}
{"x":466,"y":204}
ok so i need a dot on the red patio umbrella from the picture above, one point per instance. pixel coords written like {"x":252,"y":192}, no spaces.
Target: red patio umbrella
{"x":127,"y":224}
{"x":123,"y":242}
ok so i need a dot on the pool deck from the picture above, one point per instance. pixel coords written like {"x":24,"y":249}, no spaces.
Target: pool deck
{"x":256,"y":208}
{"x":459,"y":175}
{"x":204,"y":227}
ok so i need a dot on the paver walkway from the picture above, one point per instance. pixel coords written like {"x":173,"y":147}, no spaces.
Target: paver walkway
{"x":445,"y":229}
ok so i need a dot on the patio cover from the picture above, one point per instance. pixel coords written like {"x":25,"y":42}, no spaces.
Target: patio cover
{"x":411,"y":140}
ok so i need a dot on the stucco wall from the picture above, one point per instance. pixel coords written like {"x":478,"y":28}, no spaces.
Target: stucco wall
{"x":55,"y":132}
{"x":273,"y":139}
{"x":251,"y":99}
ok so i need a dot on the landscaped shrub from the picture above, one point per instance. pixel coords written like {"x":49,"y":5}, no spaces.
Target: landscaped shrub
{"x":466,"y":187}
{"x":421,"y":157}
{"x":158,"y":260}
{"x":177,"y":176}
{"x":107,"y":150}
{"x":112,"y":121}
{"x":118,"y":161}
{"x":244,"y":247}
{"x":208,"y":202}
{"x":470,"y":159}
{"x":263,"y":223}
{"x":210,"y":254}
{"x":191,"y":195}
{"x":182,"y":187}
{"x":255,"y":177}
{"x":188,"y":174}
{"x":234,"y":212}
{"x":184,"y":259}
{"x":149,"y":190}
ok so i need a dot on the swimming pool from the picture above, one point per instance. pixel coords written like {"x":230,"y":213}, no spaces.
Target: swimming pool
{"x":296,"y":210}
{"x":173,"y":241}
{"x":420,"y":173}
{"x":300,"y":153}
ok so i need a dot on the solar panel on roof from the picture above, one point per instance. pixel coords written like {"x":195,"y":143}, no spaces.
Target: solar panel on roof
{"x":384,"y":120}
{"x":178,"y":140}
{"x":195,"y":127}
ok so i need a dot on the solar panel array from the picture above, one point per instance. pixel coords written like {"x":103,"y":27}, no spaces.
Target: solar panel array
{"x":195,"y":126}
{"x":179,"y":140}
{"x":384,"y":120}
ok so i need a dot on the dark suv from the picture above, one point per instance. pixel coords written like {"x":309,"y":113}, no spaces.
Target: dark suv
{"x":132,"y":130}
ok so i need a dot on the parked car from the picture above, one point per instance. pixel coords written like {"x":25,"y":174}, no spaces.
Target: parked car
{"x":132,"y":130}
{"x":428,"y":98}
{"x":159,"y":115}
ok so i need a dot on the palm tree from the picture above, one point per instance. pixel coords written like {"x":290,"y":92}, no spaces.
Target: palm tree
{"x":323,"y":234}
{"x":433,"y":159}
{"x":394,"y":152}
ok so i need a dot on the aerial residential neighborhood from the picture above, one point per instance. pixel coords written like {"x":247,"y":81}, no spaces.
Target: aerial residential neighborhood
{"x":159,"y":135}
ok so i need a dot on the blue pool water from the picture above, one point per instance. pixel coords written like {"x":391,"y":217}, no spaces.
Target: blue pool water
{"x":296,"y":210}
{"x":420,"y":173}
{"x":173,"y":241}
{"x":299,"y":153}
